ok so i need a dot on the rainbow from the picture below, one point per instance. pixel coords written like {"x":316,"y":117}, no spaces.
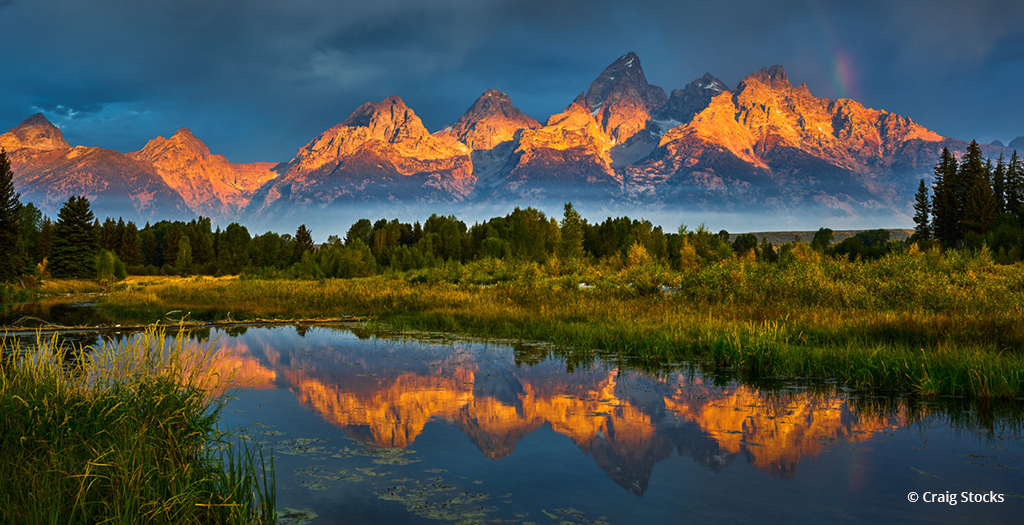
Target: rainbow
{"x":843,"y":75}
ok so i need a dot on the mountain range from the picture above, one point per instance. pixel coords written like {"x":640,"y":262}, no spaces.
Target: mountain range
{"x":765,"y":145}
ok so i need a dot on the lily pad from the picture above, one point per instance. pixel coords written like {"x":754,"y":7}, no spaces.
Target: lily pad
{"x":288,"y":516}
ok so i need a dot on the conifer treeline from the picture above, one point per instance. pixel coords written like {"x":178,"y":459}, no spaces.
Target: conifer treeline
{"x":112,"y":248}
{"x":974,"y":203}
{"x":195,"y":247}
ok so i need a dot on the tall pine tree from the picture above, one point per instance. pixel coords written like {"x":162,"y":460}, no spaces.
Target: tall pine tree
{"x":571,"y":240}
{"x":30,"y":219}
{"x":108,"y":234}
{"x":11,"y":241}
{"x":119,"y":235}
{"x":979,"y":201}
{"x":10,"y":215}
{"x":75,"y":241}
{"x":922,"y":211}
{"x":946,"y":209}
{"x":234,"y":246}
{"x":45,"y":241}
{"x":200,"y":235}
{"x":303,"y":243}
{"x":131,"y":249}
{"x":999,"y":185}
{"x":1015,"y":188}
{"x":183,"y":258}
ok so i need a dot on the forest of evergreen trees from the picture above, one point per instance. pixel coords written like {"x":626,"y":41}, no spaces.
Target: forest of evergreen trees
{"x":975,"y":204}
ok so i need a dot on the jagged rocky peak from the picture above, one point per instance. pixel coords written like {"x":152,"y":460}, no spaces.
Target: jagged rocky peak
{"x":624,"y":78}
{"x":998,"y":142}
{"x":708,"y":82}
{"x":387,"y":122}
{"x":390,"y":120}
{"x":774,"y":77}
{"x":694,"y":98}
{"x":1017,"y":143}
{"x":381,"y":151}
{"x":208,"y":183}
{"x":35,"y":132}
{"x":576,"y":116}
{"x":185,"y":137}
{"x":495,"y":103}
{"x":621,"y":99}
{"x":491,"y":120}
{"x":183,"y":141}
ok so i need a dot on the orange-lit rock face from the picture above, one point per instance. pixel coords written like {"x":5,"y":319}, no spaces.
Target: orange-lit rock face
{"x":388,"y":122}
{"x":713,"y":152}
{"x":35,"y":133}
{"x":209,"y":184}
{"x":842,"y":132}
{"x":572,"y":128}
{"x":381,"y":151}
{"x":716,"y":125}
{"x":622,"y":100}
{"x":48,"y":171}
{"x":570,"y":149}
{"x":110,"y":180}
{"x":490,"y":121}
{"x":174,"y":177}
{"x":773,"y":134}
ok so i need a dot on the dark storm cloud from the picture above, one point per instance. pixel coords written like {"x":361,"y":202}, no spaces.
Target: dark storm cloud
{"x":257,"y":79}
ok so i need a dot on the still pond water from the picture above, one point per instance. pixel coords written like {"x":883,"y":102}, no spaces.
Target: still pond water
{"x":402,"y":430}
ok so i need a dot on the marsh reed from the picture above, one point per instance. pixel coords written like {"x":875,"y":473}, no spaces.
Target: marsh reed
{"x":123,"y":432}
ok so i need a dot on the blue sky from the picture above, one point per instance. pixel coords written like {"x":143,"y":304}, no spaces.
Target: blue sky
{"x":257,"y":79}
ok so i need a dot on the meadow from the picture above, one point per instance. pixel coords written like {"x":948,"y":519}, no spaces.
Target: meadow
{"x":929,"y":323}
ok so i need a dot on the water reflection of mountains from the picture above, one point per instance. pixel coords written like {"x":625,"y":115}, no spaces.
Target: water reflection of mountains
{"x":386,"y":392}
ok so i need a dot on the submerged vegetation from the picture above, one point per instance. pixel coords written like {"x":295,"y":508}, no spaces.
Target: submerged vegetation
{"x":123,"y":433}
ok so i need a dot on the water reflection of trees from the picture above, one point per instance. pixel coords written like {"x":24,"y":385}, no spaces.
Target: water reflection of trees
{"x":51,"y":312}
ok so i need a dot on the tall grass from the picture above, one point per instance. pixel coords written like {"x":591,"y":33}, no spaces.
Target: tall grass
{"x":121,"y":433}
{"x":930,"y":323}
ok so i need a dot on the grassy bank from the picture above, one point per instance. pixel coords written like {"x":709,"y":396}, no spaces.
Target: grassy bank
{"x":123,"y":433}
{"x":935,"y":324}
